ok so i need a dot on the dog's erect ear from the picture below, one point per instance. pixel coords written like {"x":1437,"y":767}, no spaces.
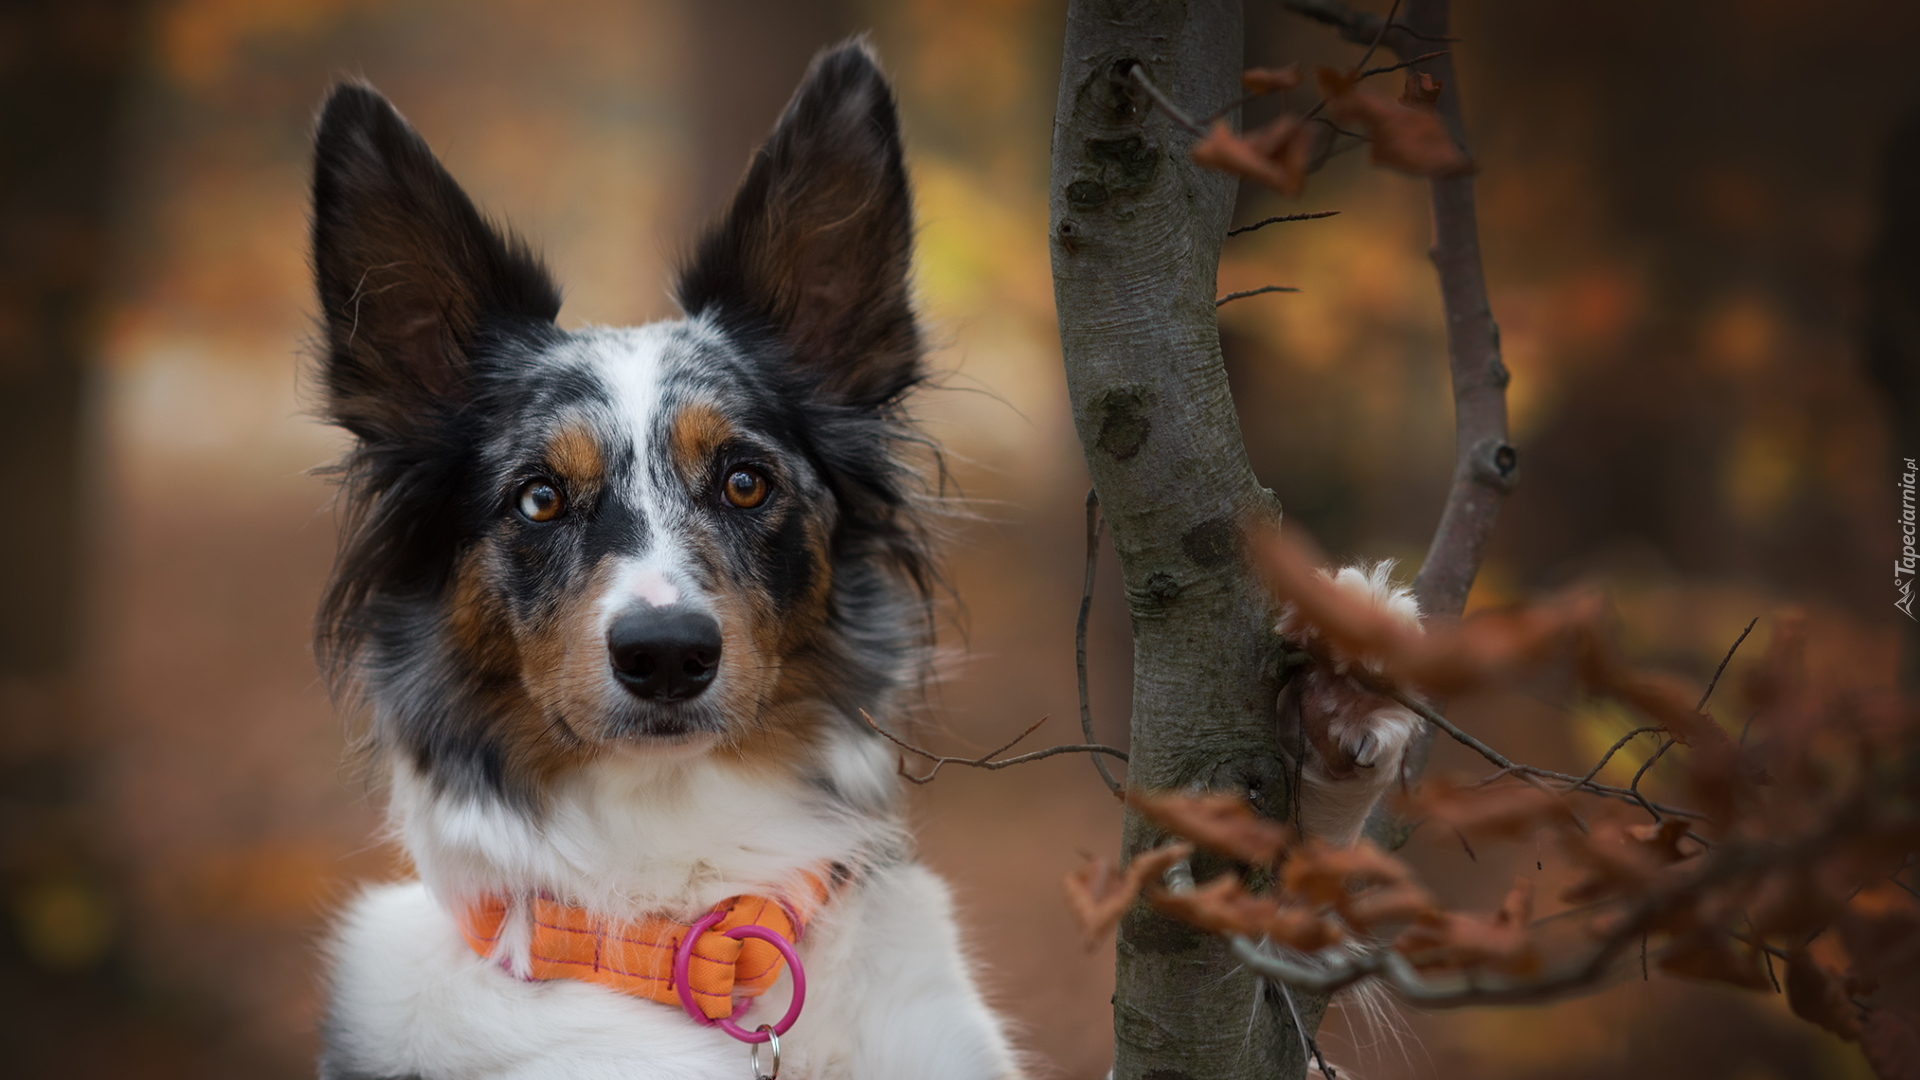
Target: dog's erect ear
{"x":408,"y":271}
{"x":818,"y":241}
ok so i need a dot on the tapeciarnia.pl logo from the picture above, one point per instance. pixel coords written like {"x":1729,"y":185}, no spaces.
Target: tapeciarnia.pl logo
{"x":1904,"y":566}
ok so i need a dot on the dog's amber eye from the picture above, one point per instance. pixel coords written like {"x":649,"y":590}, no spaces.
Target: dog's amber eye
{"x":745,"y":488}
{"x":540,"y":501}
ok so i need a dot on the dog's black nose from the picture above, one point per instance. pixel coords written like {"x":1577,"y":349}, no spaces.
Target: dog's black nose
{"x":667,"y":654}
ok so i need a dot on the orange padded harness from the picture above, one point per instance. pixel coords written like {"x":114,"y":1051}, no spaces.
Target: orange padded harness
{"x":637,"y":957}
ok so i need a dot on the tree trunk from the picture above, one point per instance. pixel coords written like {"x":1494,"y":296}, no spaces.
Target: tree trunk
{"x":748,"y":55}
{"x":1136,"y":235}
{"x":59,"y":95}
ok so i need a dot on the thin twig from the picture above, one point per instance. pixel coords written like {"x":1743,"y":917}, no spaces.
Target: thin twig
{"x":1139,"y":74}
{"x":1623,"y":794}
{"x":1338,"y":967}
{"x":1634,"y":787}
{"x":1614,"y":749}
{"x":985,"y":761}
{"x":1466,"y":847}
{"x":1425,"y":712}
{"x":1422,"y":58}
{"x":1080,"y":634}
{"x":1715,"y":681}
{"x":1254,"y":292}
{"x":1904,"y":887}
{"x":1765,"y":954}
{"x":1385,"y":25}
{"x":1338,"y":130}
{"x":1277,"y":220}
{"x":1507,"y":765}
{"x":1355,"y":26}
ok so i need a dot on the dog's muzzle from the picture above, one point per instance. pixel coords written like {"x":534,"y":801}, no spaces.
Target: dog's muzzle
{"x":664,"y":654}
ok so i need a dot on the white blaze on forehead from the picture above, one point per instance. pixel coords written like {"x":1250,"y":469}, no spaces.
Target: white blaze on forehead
{"x":651,"y":580}
{"x":652,"y":586}
{"x":632,"y":365}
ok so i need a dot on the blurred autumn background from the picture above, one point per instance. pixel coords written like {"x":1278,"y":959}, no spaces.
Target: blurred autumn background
{"x":1702,"y":230}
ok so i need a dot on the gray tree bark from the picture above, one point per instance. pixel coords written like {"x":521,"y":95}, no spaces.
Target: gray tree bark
{"x":1136,"y":236}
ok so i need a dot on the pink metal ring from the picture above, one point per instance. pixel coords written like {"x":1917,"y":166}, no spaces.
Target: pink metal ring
{"x":684,"y":956}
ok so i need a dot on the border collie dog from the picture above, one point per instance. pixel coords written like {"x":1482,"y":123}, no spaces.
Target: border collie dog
{"x":615,"y":600}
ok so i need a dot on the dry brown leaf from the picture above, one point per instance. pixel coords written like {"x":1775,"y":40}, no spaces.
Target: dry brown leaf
{"x":1459,"y":942}
{"x":1094,"y":896}
{"x":1326,"y":875}
{"x":1392,"y":906}
{"x":1421,"y":90}
{"x":1712,"y":956}
{"x":1880,"y":927}
{"x":1411,"y":140}
{"x":1275,"y":155}
{"x":1221,"y":906}
{"x":1287,"y":142}
{"x":1267,"y":80}
{"x":1817,"y":996}
{"x":1517,"y":908}
{"x":1890,"y":1038}
{"x":1614,"y":862}
{"x":1487,"y":647}
{"x":1223,"y":824}
{"x":1298,"y":928}
{"x":1792,"y":904}
{"x":1098,"y":895}
{"x":1661,"y":841}
{"x":1289,"y":565}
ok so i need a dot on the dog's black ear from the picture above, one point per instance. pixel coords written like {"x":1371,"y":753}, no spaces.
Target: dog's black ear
{"x":817,"y":243}
{"x":408,"y":271}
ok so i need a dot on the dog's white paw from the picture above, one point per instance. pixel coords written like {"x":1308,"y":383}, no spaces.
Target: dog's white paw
{"x":1381,"y":739}
{"x":1352,"y":743}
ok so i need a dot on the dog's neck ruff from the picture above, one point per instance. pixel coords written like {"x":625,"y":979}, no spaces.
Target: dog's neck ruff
{"x":637,"y":956}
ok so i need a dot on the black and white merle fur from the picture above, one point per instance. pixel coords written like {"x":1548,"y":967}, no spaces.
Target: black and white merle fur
{"x":614,"y":600}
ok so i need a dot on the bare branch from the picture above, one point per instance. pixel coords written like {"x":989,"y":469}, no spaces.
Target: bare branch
{"x":1264,"y":222}
{"x":1634,"y":787}
{"x":1614,"y":749}
{"x":985,"y":761}
{"x":1485,"y":466}
{"x":1359,"y":27}
{"x":1080,"y":635}
{"x":1139,"y":75}
{"x":1334,"y":969}
{"x":1254,"y":292}
{"x":1509,"y":767}
{"x":1715,"y":681}
{"x":1379,"y":35}
{"x":1427,"y":713}
{"x":1421,"y":59}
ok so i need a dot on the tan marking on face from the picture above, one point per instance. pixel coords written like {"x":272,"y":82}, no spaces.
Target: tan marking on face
{"x":787,"y":719}
{"x":565,"y":670}
{"x":574,"y":453}
{"x":537,"y":744}
{"x":477,"y":622}
{"x":698,"y":431}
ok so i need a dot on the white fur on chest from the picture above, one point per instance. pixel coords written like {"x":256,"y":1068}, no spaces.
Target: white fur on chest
{"x":889,"y":990}
{"x":629,"y":835}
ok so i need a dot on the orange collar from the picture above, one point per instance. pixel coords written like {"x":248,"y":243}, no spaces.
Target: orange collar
{"x":636,"y":957}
